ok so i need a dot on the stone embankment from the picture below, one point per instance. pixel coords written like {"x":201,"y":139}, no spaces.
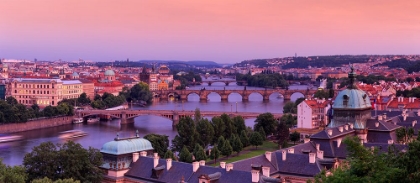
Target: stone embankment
{"x":36,"y":124}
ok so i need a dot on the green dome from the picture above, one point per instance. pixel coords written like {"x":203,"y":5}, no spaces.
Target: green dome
{"x":126,"y":146}
{"x":75,"y":74}
{"x":109,"y":73}
{"x":352,"y":99}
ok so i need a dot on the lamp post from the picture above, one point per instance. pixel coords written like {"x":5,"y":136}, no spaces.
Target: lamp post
{"x":236,"y":107}
{"x":230,"y":108}
{"x":182,"y":105}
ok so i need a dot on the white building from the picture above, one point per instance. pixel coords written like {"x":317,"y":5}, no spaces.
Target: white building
{"x":313,"y":113}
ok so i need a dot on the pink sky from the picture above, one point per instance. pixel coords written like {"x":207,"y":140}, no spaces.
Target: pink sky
{"x":225,"y":31}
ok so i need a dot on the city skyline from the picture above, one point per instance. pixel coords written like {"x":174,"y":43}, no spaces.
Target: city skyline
{"x":220,"y":31}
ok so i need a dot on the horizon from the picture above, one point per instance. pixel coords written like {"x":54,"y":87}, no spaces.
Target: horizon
{"x":225,"y":32}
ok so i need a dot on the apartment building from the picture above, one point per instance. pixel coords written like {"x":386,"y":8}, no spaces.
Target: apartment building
{"x":312,"y":113}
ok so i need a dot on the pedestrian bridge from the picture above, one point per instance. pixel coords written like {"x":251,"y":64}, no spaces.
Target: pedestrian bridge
{"x":128,"y":115}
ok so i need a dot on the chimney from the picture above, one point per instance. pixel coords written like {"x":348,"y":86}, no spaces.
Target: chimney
{"x":266,"y":171}
{"x":306,"y":140}
{"x":404,"y":117}
{"x":291,"y":150}
{"x":255,"y":176}
{"x":283,"y":155}
{"x":390,"y":141}
{"x":317,"y":147}
{"x":229,"y":167}
{"x":340,"y":128}
{"x":379,"y":117}
{"x":338,"y":142}
{"x":268,"y":155}
{"x":329,"y":131}
{"x":155,"y":160}
{"x":223,"y":164}
{"x":376,"y":124}
{"x":361,"y":141}
{"x":202,"y":163}
{"x":143,"y":153}
{"x":195,"y":164}
{"x":135,"y":157}
{"x":346,"y":127}
{"x":413,"y":123}
{"x":320,"y":154}
{"x":351,"y":126}
{"x":384,"y":116}
{"x":168,"y":163}
{"x":312,"y":157}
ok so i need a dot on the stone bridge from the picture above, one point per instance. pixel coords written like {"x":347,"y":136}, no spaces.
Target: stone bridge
{"x":128,"y":115}
{"x":224,"y":94}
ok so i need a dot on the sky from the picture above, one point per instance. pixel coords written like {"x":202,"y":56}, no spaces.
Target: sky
{"x":224,"y":31}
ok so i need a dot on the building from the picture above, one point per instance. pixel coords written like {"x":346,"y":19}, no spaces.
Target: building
{"x":2,"y":91}
{"x":312,"y":113}
{"x":108,"y":84}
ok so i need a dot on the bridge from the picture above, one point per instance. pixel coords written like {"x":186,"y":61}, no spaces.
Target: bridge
{"x":224,"y":94}
{"x":128,"y":115}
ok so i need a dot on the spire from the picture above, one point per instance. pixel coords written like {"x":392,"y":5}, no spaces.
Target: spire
{"x":352,"y":76}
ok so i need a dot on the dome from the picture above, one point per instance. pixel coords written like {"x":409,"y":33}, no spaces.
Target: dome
{"x":75,"y":74}
{"x":126,"y":146}
{"x":109,"y":73}
{"x":352,"y":99}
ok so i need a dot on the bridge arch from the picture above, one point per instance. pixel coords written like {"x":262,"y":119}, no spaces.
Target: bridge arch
{"x":206,"y":95}
{"x":297,"y":94}
{"x":277,"y":94}
{"x":96,"y":114}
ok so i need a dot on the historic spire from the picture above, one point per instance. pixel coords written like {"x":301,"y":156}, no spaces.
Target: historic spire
{"x":352,"y":76}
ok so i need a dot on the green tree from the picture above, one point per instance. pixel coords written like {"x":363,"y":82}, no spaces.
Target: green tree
{"x":15,"y":174}
{"x":187,"y":134}
{"x":169,"y":154}
{"x":197,"y":115}
{"x":221,"y":142}
{"x":255,"y":139}
{"x":289,"y":120}
{"x":199,"y":153}
{"x":282,"y":133}
{"x":160,"y":143}
{"x":185,"y":155}
{"x":49,"y":111}
{"x":215,"y":153}
{"x":83,"y":99}
{"x":295,"y":136}
{"x":226,"y":149}
{"x":205,"y":132}
{"x":321,"y":94}
{"x":219,"y":128}
{"x":11,"y":100}
{"x":47,"y":180}
{"x":141,"y":92}
{"x":331,"y":93}
{"x":404,"y":135}
{"x":229,"y":127}
{"x":262,"y":133}
{"x":239,"y":123}
{"x":236,"y":144}
{"x":267,"y":122}
{"x":244,"y":138}
{"x":69,"y":160}
{"x":289,"y":107}
{"x":298,"y":101}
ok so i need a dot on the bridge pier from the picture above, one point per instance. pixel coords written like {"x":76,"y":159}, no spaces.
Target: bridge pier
{"x":266,"y":98}
{"x":286,"y":97}
{"x":175,"y":119}
{"x":209,"y":83}
{"x":224,"y":97}
{"x":245,"y":98}
{"x":123,"y":117}
{"x":183,"y":97}
{"x":227,"y":83}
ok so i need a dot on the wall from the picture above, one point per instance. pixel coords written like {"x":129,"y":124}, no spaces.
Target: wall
{"x":38,"y":124}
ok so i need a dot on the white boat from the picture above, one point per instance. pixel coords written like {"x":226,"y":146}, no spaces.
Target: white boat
{"x":72,"y":134}
{"x":77,"y":120}
{"x":10,"y":138}
{"x":93,"y":120}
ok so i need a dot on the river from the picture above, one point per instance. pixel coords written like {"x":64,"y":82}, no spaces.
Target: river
{"x":99,"y":133}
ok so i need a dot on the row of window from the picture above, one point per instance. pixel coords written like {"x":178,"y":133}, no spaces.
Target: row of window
{"x":34,"y":91}
{"x":33,"y":86}
{"x":39,"y":102}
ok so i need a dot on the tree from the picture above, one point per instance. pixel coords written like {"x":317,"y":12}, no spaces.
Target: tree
{"x":267,"y":122}
{"x":197,"y":115}
{"x":331,"y":93}
{"x":221,"y":142}
{"x":47,"y":180}
{"x":299,"y":100}
{"x":229,"y":127}
{"x":295,"y":136}
{"x":187,"y":134}
{"x":255,"y":139}
{"x":215,"y":153}
{"x":226,"y":149}
{"x":236,"y":144}
{"x":321,"y":94}
{"x":239,"y":123}
{"x":169,"y":154}
{"x":219,"y":128}
{"x":11,"y":100}
{"x":199,"y":153}
{"x":15,"y":174}
{"x":289,"y":107}
{"x":244,"y":138}
{"x":404,"y":135}
{"x":83,"y":99}
{"x":289,"y":120}
{"x":282,"y":133}
{"x":141,"y":92}
{"x":49,"y":111}
{"x":160,"y":143}
{"x":262,"y":133}
{"x":205,"y":132}
{"x":69,"y":160}
{"x":185,"y":155}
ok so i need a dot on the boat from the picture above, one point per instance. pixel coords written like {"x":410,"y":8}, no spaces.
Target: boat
{"x":92,"y":120}
{"x":77,"y":120}
{"x":72,"y":134}
{"x":10,"y":138}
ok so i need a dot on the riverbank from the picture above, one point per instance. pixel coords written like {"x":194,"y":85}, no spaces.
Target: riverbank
{"x":36,"y":124}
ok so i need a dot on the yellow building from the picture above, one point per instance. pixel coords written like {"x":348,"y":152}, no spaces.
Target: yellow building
{"x":163,"y":85}
{"x":44,"y":92}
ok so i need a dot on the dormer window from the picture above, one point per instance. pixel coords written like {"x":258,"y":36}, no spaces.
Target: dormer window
{"x":345,"y":100}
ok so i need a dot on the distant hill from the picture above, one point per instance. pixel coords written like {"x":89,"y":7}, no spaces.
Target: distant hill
{"x":197,"y":63}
